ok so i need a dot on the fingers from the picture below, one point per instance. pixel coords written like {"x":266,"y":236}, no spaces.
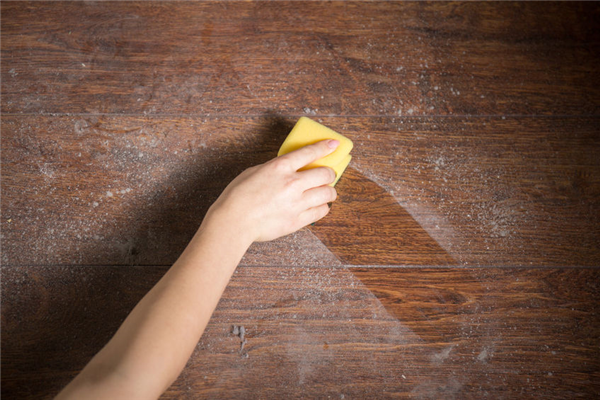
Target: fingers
{"x":313,"y":215}
{"x":307,"y":154}
{"x":316,"y":177}
{"x":318,"y":196}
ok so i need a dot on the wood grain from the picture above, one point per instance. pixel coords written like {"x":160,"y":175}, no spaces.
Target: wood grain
{"x":477,"y":133}
{"x":314,"y":58}
{"x":318,"y":332}
{"x":108,"y":190}
{"x":369,"y":227}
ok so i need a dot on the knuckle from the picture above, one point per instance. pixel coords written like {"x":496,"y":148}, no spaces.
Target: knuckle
{"x":326,"y":194}
{"x":326,"y":174}
{"x":320,"y":148}
{"x":315,"y":153}
{"x":332,"y":174}
{"x":316,"y":214}
{"x":292,"y":184}
{"x":281,"y":164}
{"x":333,"y":194}
{"x":322,"y":211}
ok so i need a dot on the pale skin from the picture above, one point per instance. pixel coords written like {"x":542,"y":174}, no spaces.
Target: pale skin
{"x":153,"y":344}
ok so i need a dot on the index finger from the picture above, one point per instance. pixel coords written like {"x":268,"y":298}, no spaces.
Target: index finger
{"x":307,"y":154}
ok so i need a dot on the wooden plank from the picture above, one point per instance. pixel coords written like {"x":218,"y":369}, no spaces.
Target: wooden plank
{"x":129,"y":191}
{"x":318,"y":332}
{"x":369,"y":227}
{"x":108,"y":190}
{"x":313,"y":58}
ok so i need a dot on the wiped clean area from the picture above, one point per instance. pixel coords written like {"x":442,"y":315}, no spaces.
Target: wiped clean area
{"x":460,"y":260}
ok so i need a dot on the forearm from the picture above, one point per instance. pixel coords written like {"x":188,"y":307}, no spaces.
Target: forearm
{"x":152,"y":346}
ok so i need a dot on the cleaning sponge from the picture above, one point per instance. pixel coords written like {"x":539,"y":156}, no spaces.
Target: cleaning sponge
{"x":305,"y":132}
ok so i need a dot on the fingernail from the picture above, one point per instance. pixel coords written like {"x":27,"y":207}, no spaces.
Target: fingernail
{"x":332,"y":143}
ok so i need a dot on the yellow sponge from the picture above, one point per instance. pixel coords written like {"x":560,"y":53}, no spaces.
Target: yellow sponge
{"x":340,"y":168}
{"x":307,"y":131}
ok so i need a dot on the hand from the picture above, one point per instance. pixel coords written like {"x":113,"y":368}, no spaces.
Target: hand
{"x":263,"y":203}
{"x":275,"y":199}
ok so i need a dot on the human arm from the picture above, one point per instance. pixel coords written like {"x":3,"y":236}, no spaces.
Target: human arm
{"x":155,"y":341}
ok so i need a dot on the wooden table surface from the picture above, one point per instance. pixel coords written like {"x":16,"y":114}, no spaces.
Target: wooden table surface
{"x":460,"y":261}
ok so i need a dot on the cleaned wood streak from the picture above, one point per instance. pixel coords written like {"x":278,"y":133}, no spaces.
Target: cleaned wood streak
{"x":133,"y":190}
{"x":318,"y":332}
{"x":460,"y":260}
{"x":368,"y":226}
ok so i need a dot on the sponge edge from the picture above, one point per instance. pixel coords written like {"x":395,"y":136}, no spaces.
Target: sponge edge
{"x":340,"y":168}
{"x":305,"y":132}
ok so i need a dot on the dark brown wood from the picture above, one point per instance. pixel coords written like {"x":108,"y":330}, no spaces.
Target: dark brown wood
{"x":339,"y":58}
{"x":318,"y":332}
{"x":133,"y":190}
{"x":477,"y":133}
{"x":369,"y":227}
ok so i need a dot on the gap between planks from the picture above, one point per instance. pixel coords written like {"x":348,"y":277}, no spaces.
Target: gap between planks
{"x":213,"y":115}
